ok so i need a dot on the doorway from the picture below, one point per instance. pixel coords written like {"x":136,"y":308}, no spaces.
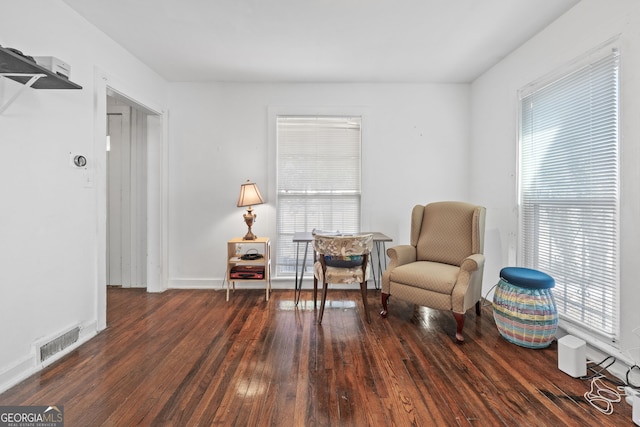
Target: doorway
{"x":126,"y":195}
{"x":152,"y":215}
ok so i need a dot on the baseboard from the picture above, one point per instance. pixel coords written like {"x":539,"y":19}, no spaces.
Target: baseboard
{"x":280,"y":283}
{"x":214,"y":284}
{"x":20,"y":371}
{"x":30,"y":364}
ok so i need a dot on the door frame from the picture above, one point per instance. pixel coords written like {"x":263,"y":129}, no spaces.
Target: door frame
{"x":157,"y":186}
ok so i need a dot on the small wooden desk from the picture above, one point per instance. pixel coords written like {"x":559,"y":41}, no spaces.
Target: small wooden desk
{"x":306,"y":237}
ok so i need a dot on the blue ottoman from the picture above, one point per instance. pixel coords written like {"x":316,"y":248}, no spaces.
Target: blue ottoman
{"x":523,"y":307}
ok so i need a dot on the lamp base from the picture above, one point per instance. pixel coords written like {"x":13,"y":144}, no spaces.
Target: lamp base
{"x":249,"y":236}
{"x":249,"y":217}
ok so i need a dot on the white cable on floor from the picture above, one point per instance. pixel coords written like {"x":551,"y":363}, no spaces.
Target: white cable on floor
{"x":603,"y":394}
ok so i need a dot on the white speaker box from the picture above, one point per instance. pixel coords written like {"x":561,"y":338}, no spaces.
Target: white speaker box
{"x":572,"y":356}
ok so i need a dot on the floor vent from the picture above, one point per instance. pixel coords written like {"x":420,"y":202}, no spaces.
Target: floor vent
{"x":58,"y":344}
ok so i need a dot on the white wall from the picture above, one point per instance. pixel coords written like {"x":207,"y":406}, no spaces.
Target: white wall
{"x":494,"y":133}
{"x":415,"y":136}
{"x":49,"y":251}
{"x":415,"y":150}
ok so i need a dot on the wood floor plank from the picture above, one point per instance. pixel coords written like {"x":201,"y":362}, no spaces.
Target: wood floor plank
{"x":304,"y":393}
{"x":190,"y":358}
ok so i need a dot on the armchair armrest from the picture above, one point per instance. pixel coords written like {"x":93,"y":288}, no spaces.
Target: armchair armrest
{"x":400,"y":255}
{"x":468,"y":287}
{"x":472,"y":263}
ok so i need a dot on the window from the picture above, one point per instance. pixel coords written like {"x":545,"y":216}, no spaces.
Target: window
{"x":569,"y":186}
{"x":318,"y":173}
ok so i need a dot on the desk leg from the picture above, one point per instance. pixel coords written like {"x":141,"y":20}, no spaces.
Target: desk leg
{"x":295,"y":287}
{"x":225,"y":282}
{"x":304,"y":265}
{"x":373,"y":269}
{"x":384,"y":255}
{"x":377,"y":277}
{"x":268,"y":267}
{"x":234,"y":287}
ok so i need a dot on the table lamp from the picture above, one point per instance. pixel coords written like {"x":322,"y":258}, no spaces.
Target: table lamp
{"x":249,"y":195}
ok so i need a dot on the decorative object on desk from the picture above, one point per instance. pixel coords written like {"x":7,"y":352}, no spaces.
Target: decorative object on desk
{"x":325,"y":233}
{"x":251,"y":255}
{"x":249,"y":196}
{"x":247,"y":272}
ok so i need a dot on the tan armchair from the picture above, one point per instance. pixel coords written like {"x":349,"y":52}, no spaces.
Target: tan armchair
{"x":442,"y":267}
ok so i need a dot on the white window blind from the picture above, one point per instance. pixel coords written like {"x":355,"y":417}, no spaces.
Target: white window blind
{"x":569,"y":192}
{"x":318,"y":173}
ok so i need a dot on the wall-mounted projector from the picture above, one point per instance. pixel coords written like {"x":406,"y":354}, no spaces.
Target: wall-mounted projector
{"x":54,"y":65}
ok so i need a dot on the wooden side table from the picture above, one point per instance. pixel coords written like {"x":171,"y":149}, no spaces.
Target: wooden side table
{"x":234,"y":260}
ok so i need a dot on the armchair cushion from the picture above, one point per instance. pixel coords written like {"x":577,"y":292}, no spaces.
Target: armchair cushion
{"x":428,"y":275}
{"x":445,"y":235}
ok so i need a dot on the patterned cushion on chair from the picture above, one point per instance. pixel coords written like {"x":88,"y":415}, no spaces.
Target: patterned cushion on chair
{"x":336,"y":275}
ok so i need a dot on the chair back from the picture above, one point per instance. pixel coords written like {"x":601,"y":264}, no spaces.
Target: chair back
{"x":448,"y":232}
{"x":343,"y":246}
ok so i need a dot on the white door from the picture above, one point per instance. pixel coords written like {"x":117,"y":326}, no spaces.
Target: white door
{"x":126,"y":196}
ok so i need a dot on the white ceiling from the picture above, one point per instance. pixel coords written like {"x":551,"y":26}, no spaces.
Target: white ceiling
{"x":321,"y":40}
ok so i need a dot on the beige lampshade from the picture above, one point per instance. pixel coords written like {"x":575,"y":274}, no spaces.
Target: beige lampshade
{"x":249,"y":195}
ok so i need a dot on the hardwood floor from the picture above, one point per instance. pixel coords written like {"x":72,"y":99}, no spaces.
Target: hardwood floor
{"x":187,"y":358}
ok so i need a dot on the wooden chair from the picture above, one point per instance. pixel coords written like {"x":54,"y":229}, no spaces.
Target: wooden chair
{"x":341,"y":260}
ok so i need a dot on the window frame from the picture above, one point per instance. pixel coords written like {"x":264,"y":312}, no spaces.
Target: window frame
{"x":275,"y":113}
{"x":608,"y":50}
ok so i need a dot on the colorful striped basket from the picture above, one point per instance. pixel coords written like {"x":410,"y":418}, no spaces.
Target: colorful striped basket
{"x":524,"y":309}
